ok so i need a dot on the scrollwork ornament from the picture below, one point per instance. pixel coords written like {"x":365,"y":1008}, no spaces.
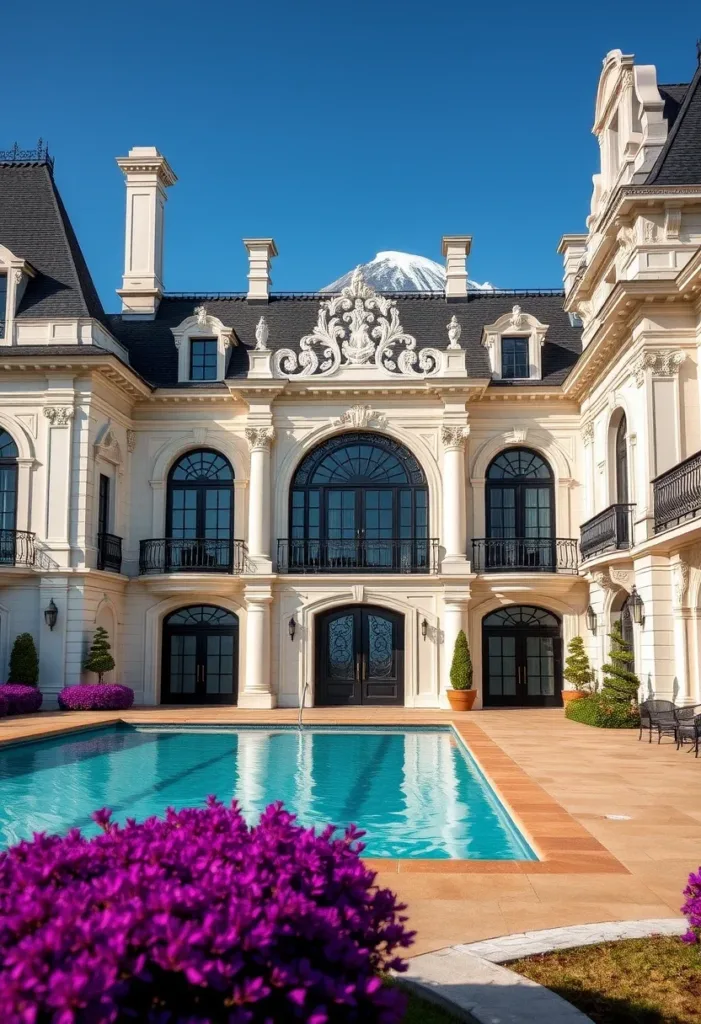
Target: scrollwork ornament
{"x":680,"y":576}
{"x":131,"y":441}
{"x":360,"y":416}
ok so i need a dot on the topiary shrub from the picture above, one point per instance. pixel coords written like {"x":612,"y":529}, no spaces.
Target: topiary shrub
{"x":21,"y":699}
{"x":461,"y":667}
{"x":692,"y":907}
{"x":99,"y":657}
{"x":598,"y":710}
{"x":578,"y":671}
{"x":198,"y":918}
{"x":619,"y":683}
{"x":105,"y":697}
{"x":24,"y":662}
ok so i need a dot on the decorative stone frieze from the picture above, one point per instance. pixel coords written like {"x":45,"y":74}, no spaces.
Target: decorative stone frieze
{"x":260,"y":438}
{"x":59,"y":415}
{"x":131,"y":441}
{"x":361,"y":417}
{"x":454,"y":437}
{"x":358,"y":328}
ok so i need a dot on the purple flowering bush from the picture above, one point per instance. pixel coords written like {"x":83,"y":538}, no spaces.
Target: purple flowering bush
{"x":21,"y":699}
{"x":692,"y":907}
{"x":197,"y":918}
{"x":98,"y":697}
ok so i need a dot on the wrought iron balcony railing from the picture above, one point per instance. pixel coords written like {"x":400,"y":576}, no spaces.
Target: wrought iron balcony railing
{"x":518,"y":554}
{"x":677,"y":493}
{"x":396,"y":554}
{"x":610,"y":530}
{"x":191,"y":554}
{"x":17,"y":547}
{"x":109,"y":552}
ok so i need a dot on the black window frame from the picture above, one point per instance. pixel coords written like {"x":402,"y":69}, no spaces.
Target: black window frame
{"x":516,"y":359}
{"x":3,"y":303}
{"x":204,"y":356}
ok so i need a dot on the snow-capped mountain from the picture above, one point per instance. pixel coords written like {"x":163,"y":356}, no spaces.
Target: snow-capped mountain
{"x":402,"y":272}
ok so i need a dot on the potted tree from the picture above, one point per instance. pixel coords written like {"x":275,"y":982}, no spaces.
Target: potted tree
{"x":461,"y":696}
{"x":578,"y":671}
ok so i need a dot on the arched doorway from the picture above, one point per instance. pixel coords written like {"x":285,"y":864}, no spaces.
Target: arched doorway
{"x":521,"y":658}
{"x":200,"y":513}
{"x":359,"y":656}
{"x":520,"y":512}
{"x":359,"y":501}
{"x":8,"y":499}
{"x":200,"y":656}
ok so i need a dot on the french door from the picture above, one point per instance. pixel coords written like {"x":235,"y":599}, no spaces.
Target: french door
{"x":521,"y":659}
{"x":200,"y":657}
{"x":360,"y":657}
{"x":200,"y":513}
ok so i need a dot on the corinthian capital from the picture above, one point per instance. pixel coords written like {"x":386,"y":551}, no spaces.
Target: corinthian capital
{"x":454,"y":437}
{"x":260,"y":438}
{"x":58,"y":415}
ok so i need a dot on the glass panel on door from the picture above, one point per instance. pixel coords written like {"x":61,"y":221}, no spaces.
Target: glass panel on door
{"x":502,"y":666}
{"x":183,"y":664}
{"x":540,"y":666}
{"x":340,"y":655}
{"x":217,"y":527}
{"x":380,"y":655}
{"x":219,"y":664}
{"x":537,"y":527}
{"x":379,"y":526}
{"x":341,"y":527}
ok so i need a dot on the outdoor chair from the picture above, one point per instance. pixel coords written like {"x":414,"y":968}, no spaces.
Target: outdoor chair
{"x":689,"y":726}
{"x":657,"y":714}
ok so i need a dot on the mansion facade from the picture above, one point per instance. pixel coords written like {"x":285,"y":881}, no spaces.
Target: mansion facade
{"x":268,"y":498}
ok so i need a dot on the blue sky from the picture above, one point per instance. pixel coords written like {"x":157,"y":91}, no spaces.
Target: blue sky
{"x":340,"y":130}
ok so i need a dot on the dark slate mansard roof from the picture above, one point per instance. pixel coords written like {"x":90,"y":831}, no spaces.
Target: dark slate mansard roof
{"x":424,"y":315}
{"x":679,"y":162}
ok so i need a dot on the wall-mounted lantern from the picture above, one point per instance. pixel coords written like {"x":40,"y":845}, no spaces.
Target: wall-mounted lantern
{"x":291,"y":627}
{"x":424,"y":629}
{"x":591,"y":619}
{"x":51,"y":614}
{"x":637,"y":606}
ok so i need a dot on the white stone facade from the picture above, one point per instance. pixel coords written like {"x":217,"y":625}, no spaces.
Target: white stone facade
{"x":635,"y":282}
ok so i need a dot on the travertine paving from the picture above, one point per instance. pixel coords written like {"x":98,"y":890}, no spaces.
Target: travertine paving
{"x":560,"y":780}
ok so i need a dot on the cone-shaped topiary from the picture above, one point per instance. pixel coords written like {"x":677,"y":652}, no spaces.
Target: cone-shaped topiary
{"x":24,"y":663}
{"x":578,"y":671}
{"x":99,"y":658}
{"x":461,"y":668}
{"x":619,"y":682}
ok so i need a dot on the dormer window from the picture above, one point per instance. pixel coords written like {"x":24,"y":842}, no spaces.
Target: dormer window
{"x":514,"y":358}
{"x":3,"y":303}
{"x":203,"y":359}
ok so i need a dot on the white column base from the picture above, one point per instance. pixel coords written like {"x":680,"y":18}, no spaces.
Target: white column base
{"x":259,"y":565}
{"x":456,"y":565}
{"x":257,"y":701}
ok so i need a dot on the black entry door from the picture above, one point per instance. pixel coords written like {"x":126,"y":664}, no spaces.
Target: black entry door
{"x":360,"y":657}
{"x":200,"y":664}
{"x":522,"y":668}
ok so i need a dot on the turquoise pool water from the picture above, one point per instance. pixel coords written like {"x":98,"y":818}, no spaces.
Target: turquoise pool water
{"x":417,"y":792}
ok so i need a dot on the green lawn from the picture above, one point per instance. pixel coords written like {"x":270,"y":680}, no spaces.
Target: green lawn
{"x":421,"y":1012}
{"x":636,"y":981}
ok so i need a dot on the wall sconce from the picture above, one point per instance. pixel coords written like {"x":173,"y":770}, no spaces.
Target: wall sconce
{"x":51,"y":614}
{"x":591,"y":619}
{"x":291,"y":627}
{"x":637,"y":606}
{"x":424,"y":629}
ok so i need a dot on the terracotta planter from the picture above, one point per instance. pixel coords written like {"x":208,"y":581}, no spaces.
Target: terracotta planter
{"x":568,"y":695}
{"x":461,"y":700}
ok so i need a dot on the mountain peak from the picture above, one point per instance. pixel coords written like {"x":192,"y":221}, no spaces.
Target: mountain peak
{"x":392,"y":271}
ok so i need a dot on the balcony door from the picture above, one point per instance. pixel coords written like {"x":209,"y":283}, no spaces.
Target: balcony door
{"x":520,"y":512}
{"x":8,"y":499}
{"x":359,"y":502}
{"x":522,"y":658}
{"x":359,"y":657}
{"x":200,"y":656}
{"x":622,"y":462}
{"x":200,"y":513}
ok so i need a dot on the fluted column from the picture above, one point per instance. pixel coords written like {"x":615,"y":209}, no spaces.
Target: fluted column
{"x":454,"y":537}
{"x":255,"y":690}
{"x":260,"y":441}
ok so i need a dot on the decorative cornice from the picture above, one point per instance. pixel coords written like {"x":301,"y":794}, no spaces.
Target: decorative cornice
{"x":260,"y":438}
{"x":360,"y":416}
{"x":454,"y":437}
{"x":59,"y":415}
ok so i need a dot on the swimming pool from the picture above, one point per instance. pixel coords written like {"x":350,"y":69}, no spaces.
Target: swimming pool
{"x":417,"y":792}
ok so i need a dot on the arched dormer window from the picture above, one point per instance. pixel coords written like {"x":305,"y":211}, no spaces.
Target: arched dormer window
{"x":514,"y":343}
{"x":202,"y":342}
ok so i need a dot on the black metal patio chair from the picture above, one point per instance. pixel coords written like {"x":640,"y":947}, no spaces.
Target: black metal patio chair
{"x":689,"y":725}
{"x":657,"y":714}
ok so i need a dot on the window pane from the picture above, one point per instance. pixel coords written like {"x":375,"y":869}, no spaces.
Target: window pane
{"x":203,"y":359}
{"x":514,"y":358}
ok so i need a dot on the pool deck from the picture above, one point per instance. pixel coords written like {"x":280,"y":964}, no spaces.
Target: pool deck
{"x":559,"y":780}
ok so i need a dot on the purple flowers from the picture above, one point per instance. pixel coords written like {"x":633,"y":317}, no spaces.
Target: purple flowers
{"x":20,"y":699}
{"x":105,"y":697}
{"x":197,"y":918}
{"x":692,"y":907}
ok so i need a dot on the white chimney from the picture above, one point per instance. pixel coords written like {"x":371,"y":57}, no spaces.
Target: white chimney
{"x":148,"y":176}
{"x":260,"y":254}
{"x":573,"y":248}
{"x":456,"y":249}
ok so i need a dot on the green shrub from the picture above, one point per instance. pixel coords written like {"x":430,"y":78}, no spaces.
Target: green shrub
{"x":602,"y":712}
{"x":24,"y":663}
{"x":578,"y":671}
{"x":461,"y":668}
{"x":99,"y":658}
{"x":619,"y":682}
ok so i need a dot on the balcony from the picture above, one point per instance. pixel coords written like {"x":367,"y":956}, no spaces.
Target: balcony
{"x":677,"y":493}
{"x":109,"y":552}
{"x":610,"y":530}
{"x":191,"y":554}
{"x":17,"y":547}
{"x":390,"y":555}
{"x":524,"y":555}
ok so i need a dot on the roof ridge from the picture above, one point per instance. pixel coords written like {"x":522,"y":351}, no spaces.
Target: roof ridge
{"x":676,"y":127}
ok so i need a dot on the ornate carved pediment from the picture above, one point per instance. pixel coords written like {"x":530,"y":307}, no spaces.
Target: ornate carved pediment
{"x":361,"y":416}
{"x":107,"y":447}
{"x":358,"y":328}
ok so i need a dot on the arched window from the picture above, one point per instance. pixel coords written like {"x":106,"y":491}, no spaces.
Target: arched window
{"x":627,"y":629}
{"x":520,"y":512}
{"x":522,"y":657}
{"x":8,"y":498}
{"x":200,"y":656}
{"x":200,"y":512}
{"x":359,"y":500}
{"x":622,"y":462}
